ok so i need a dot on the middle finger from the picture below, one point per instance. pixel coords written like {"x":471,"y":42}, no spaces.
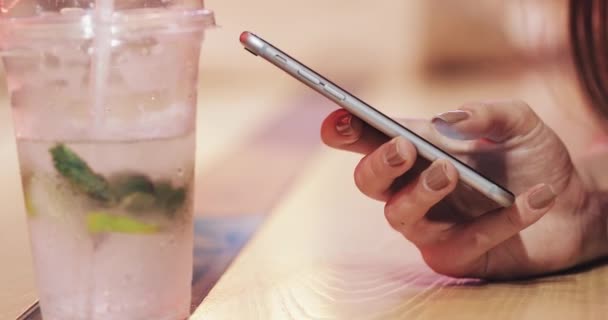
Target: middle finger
{"x":377,"y":171}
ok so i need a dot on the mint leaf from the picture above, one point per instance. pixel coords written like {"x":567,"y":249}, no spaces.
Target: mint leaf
{"x":126,"y":184}
{"x":76,"y":170}
{"x":138,"y":202}
{"x":169,"y":198}
{"x":131,"y":191}
{"x":175,"y":200}
{"x":137,"y":193}
{"x":101,"y":222}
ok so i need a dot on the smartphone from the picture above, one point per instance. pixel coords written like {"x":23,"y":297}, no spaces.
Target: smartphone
{"x":259,"y":47}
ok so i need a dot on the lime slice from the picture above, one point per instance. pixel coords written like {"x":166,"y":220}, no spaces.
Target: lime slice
{"x":29,"y":205}
{"x":99,"y":222}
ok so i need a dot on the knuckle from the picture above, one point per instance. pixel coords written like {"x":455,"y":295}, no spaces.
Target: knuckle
{"x":411,"y":153}
{"x":364,"y":176}
{"x":520,"y":120}
{"x":359,"y":177}
{"x":397,"y":219}
{"x":443,"y":259}
{"x":436,"y":260}
{"x":474,"y":106}
{"x":374,"y":167}
{"x":515,"y":219}
{"x":524,"y":111}
{"x":391,"y":215}
{"x":377,"y":163}
{"x":522,"y":105}
{"x":424,"y":232}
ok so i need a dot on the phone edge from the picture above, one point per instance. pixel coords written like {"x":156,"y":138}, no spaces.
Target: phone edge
{"x":429,"y":151}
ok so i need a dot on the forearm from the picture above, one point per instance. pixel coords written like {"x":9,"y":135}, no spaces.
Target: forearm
{"x":596,"y":230}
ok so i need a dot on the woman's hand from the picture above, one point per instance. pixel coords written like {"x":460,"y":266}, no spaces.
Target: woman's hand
{"x":555,"y":223}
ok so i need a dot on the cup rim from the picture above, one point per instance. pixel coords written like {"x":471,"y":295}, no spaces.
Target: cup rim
{"x":134,"y":21}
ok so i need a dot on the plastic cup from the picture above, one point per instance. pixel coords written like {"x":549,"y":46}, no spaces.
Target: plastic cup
{"x":104,"y":115}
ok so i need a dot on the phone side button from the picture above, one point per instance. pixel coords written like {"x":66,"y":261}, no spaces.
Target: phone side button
{"x":309,"y":77}
{"x":334,"y":93}
{"x":280,"y":59}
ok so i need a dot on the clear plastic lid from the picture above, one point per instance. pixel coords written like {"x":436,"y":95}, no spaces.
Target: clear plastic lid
{"x":32,"y":8}
{"x":82,"y":18}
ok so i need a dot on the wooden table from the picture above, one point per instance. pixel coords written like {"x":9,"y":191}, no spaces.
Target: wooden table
{"x":327,"y":253}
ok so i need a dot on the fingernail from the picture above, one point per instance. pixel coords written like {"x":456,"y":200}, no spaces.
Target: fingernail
{"x":437,"y":177}
{"x":395,"y":155}
{"x":347,"y":125}
{"x":541,"y":198}
{"x":452,"y":117}
{"x":343,"y":125}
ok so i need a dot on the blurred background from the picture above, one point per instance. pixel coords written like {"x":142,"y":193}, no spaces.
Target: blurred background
{"x":258,"y":127}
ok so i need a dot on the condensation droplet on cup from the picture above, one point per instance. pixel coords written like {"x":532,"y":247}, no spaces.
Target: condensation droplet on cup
{"x":51,"y":60}
{"x":180,"y":172}
{"x":144,"y":46}
{"x":106,"y":293}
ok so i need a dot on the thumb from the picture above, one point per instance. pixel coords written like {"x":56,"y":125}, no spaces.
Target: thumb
{"x":497,"y":121}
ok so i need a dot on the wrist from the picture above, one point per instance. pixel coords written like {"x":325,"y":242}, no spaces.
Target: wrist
{"x":593,"y":210}
{"x":602,"y":207}
{"x":591,"y":168}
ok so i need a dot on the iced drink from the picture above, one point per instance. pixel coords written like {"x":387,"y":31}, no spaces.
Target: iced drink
{"x":104,"y":116}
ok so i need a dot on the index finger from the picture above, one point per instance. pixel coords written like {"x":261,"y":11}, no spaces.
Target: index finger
{"x":344,"y":131}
